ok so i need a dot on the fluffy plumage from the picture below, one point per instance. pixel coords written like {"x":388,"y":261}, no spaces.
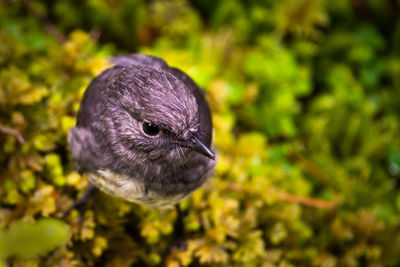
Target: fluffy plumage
{"x":111,"y":147}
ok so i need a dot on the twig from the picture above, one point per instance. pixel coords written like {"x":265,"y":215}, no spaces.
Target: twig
{"x":307,"y":201}
{"x":48,"y":25}
{"x":95,"y":34}
{"x":284,"y":196}
{"x":313,"y":170}
{"x":13,"y":132}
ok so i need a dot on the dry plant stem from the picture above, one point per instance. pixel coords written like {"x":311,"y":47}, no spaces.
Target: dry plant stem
{"x":306,"y":201}
{"x":313,"y":170}
{"x":13,"y":132}
{"x":48,"y":25}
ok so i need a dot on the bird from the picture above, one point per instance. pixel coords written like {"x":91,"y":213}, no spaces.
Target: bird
{"x":143,"y":133}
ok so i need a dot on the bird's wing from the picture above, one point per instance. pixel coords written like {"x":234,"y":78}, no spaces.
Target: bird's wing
{"x":88,"y":110}
{"x":82,"y":140}
{"x":84,"y":149}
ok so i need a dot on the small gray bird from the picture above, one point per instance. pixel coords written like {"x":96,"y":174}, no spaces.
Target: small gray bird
{"x":144,"y":132}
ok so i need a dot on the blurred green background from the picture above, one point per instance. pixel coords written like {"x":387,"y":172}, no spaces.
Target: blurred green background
{"x":305,"y":96}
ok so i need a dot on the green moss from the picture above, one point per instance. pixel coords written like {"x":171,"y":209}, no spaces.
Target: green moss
{"x":304,"y":96}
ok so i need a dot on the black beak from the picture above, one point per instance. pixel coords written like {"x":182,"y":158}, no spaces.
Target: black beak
{"x":196,"y":145}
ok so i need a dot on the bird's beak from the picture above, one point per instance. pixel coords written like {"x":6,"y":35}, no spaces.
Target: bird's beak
{"x":196,"y":145}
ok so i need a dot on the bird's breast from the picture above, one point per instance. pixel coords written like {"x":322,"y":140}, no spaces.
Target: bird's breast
{"x":132,"y":189}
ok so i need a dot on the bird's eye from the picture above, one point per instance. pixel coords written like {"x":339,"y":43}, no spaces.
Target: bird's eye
{"x":150,"y":129}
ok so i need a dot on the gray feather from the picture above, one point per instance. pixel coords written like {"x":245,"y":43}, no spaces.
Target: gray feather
{"x":110,"y":145}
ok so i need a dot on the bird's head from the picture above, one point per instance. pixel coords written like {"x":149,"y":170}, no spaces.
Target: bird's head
{"x":150,"y":114}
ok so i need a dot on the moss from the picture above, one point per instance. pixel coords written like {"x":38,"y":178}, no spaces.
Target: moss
{"x":305,"y":103}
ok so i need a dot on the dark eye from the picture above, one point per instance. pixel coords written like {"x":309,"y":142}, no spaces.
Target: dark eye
{"x":150,"y":129}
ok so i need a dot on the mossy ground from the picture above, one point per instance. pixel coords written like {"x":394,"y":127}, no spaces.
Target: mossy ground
{"x":305,"y":102}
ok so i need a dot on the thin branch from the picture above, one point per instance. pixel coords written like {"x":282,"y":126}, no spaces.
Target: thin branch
{"x":307,"y":201}
{"x":313,"y":170}
{"x":48,"y":25}
{"x":13,"y":132}
{"x":284,"y":196}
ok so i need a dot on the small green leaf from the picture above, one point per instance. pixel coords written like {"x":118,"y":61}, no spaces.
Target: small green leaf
{"x":26,"y":239}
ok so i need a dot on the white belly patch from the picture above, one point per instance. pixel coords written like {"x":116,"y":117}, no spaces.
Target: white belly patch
{"x":131,"y":189}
